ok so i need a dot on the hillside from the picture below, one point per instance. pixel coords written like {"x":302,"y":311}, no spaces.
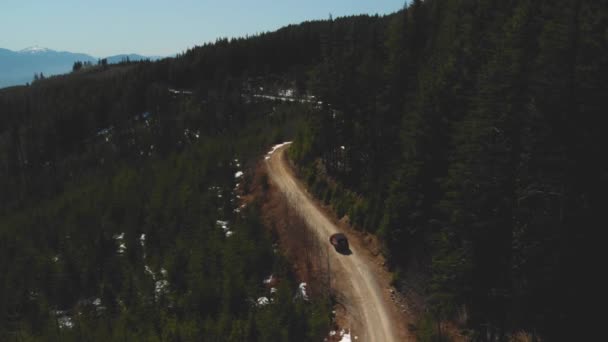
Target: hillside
{"x":466,"y":135}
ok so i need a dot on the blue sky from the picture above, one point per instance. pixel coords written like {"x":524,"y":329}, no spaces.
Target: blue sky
{"x":158,"y":27}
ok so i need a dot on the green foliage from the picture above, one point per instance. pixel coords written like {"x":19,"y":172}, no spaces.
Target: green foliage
{"x":473,"y":158}
{"x":111,"y":229}
{"x":467,"y":134}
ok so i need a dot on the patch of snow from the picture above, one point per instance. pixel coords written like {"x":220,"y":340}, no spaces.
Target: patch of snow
{"x":345,"y":336}
{"x":273,"y":290}
{"x":63,"y":319}
{"x":56,"y":258}
{"x":229,"y":233}
{"x":160,"y":287}
{"x":223,"y":224}
{"x":65,"y":322}
{"x":180,"y":92}
{"x":332,"y":333}
{"x":142,"y":240}
{"x":286,"y":92}
{"x":163,"y":272}
{"x":269,"y":280}
{"x":342,"y":147}
{"x":238,"y":174}
{"x":149,"y":271}
{"x":263,"y":301}
{"x":121,"y":245}
{"x":302,"y":289}
{"x":97,"y":302}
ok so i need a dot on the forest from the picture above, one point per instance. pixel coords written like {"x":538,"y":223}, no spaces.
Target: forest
{"x":466,"y":134}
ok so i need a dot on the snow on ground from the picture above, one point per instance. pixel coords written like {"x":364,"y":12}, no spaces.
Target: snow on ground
{"x":160,"y":287}
{"x":273,"y":290}
{"x":303,"y":293}
{"x":180,"y":92}
{"x":345,"y":336}
{"x":142,"y":240}
{"x":63,"y":319}
{"x":150,"y":272}
{"x":286,"y":92}
{"x":269,"y":280}
{"x":238,"y":174}
{"x":288,"y":97}
{"x":224,"y":226}
{"x":263,"y":301}
{"x":122,"y":247}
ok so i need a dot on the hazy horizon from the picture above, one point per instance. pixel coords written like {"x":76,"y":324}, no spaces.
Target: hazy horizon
{"x":158,"y":28}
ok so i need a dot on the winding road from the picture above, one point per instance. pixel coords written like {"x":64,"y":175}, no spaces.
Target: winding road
{"x":371,"y":315}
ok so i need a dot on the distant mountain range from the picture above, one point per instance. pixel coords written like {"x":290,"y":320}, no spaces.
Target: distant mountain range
{"x":19,"y":67}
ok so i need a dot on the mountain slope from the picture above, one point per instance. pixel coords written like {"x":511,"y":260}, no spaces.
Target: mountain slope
{"x":19,"y":67}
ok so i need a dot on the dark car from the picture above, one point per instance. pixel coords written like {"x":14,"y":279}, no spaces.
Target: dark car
{"x":340,"y":242}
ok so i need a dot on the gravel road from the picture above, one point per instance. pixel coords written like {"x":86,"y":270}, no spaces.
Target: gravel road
{"x":354,"y":280}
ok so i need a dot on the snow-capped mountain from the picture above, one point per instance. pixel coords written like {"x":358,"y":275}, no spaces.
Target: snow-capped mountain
{"x":19,"y":67}
{"x":35,"y":49}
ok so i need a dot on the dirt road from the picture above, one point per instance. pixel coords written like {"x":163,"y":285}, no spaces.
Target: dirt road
{"x":371,"y":315}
